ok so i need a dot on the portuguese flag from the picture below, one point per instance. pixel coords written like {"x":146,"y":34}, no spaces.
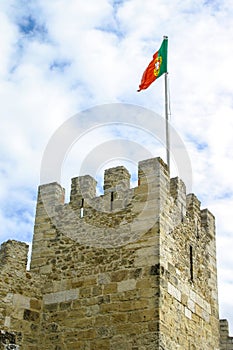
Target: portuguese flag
{"x":156,"y":67}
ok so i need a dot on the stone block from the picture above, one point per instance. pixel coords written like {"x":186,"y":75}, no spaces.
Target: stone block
{"x":117,"y":276}
{"x":187,"y":313}
{"x":58,"y":297}
{"x":126,"y":285}
{"x":21,"y":301}
{"x":173,"y":291}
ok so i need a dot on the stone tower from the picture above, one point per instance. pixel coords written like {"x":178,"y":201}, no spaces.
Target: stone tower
{"x":132,"y":269}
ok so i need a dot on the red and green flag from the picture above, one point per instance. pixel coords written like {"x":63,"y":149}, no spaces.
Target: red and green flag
{"x":156,"y":67}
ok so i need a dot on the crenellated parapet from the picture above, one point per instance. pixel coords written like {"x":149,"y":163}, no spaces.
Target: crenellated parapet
{"x":14,"y":255}
{"x":178,"y":193}
{"x":82,"y":187}
{"x":155,"y":190}
{"x":116,"y":179}
{"x":115,"y":216}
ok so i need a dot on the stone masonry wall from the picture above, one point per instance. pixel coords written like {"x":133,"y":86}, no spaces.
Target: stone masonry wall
{"x":133,"y":269}
{"x":226,"y":342}
{"x":189,"y":281}
{"x":100,"y":291}
{"x":20,"y":299}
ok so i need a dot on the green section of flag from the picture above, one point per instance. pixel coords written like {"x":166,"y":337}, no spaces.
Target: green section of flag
{"x":163,"y":54}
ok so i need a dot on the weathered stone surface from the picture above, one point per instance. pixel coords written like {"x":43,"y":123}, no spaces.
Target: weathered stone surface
{"x":133,"y":269}
{"x":226,"y":342}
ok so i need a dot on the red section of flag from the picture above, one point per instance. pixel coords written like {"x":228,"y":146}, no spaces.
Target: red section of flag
{"x":149,"y":75}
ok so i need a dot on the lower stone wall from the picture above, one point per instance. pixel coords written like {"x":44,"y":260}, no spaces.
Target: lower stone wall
{"x":113,"y":307}
{"x":92,"y":299}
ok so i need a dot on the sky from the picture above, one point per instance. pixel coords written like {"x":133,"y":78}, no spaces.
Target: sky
{"x":59,"y":58}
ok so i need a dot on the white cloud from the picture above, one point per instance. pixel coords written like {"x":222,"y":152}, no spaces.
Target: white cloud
{"x":58,"y":58}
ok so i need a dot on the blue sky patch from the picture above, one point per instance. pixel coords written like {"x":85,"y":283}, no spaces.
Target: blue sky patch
{"x":225,"y":195}
{"x":201,"y":145}
{"x":59,"y":65}
{"x":212,"y":3}
{"x":29,"y":26}
{"x":111,"y":30}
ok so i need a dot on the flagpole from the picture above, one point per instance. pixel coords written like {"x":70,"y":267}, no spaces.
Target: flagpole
{"x":167,"y":123}
{"x":155,"y":69}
